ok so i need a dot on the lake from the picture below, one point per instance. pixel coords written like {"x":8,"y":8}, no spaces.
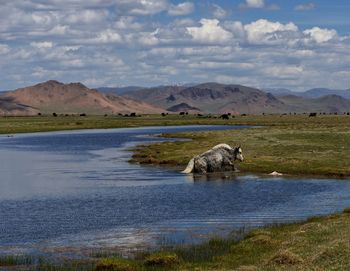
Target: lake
{"x":73,"y":192}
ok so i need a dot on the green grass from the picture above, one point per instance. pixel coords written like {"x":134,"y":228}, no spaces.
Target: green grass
{"x":13,"y":260}
{"x":11,"y":125}
{"x":289,"y":144}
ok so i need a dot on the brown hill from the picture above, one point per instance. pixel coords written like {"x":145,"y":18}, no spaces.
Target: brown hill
{"x":8,"y":107}
{"x":212,"y":98}
{"x":53,"y":96}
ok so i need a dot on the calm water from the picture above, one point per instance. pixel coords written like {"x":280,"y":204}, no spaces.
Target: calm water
{"x":74,"y":190}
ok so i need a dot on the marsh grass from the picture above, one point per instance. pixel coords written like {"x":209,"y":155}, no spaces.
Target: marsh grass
{"x":12,"y":260}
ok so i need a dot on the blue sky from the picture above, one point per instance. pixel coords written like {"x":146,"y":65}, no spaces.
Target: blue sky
{"x":261,"y":43}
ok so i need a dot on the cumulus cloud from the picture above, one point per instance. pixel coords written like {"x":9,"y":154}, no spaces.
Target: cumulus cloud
{"x":264,"y":31}
{"x":305,"y":7}
{"x":108,"y":36}
{"x":320,"y":35}
{"x":42,"y":45}
{"x":253,"y":4}
{"x":181,"y":9}
{"x":209,"y":32}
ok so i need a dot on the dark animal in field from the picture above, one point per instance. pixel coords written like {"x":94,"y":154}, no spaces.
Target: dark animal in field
{"x":225,"y":116}
{"x":219,"y":158}
{"x":312,"y":114}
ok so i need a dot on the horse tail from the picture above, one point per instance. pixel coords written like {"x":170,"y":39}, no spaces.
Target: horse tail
{"x":189,"y":167}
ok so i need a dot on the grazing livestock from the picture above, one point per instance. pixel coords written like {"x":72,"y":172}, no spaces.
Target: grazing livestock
{"x":225,"y":116}
{"x":219,"y":158}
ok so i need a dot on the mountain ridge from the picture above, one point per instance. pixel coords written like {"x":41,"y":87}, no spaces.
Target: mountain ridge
{"x":53,"y":96}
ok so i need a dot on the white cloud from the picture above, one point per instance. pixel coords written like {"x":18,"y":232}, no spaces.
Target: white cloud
{"x":143,"y":7}
{"x":4,"y":49}
{"x":108,"y":36}
{"x":263,"y":31}
{"x":42,"y":45}
{"x":181,"y":9}
{"x":149,"y":38}
{"x":86,"y":16}
{"x":209,"y":32}
{"x":219,"y":12}
{"x":305,"y":7}
{"x":320,"y":35}
{"x":253,"y":4}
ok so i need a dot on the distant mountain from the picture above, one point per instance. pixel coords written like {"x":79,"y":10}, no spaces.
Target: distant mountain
{"x":211,"y":98}
{"x":319,"y":92}
{"x":9,"y":107}
{"x":118,"y":90}
{"x":328,"y":104}
{"x":53,"y":96}
{"x":182,"y":107}
{"x":280,"y":91}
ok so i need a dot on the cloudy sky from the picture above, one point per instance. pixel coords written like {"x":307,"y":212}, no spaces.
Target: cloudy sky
{"x":262,"y":43}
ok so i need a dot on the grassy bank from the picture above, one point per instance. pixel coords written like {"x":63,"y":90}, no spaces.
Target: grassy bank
{"x":287,"y":144}
{"x":321,"y":243}
{"x":10,"y":125}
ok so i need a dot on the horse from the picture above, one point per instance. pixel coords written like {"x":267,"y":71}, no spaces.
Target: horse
{"x":217,"y":159}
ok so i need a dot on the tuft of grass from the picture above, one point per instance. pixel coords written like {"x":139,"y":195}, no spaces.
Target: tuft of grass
{"x":13,"y":260}
{"x":162,"y":259}
{"x":285,"y":257}
{"x":115,"y":264}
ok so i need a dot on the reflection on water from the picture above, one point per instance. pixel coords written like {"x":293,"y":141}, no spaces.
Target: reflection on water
{"x":74,"y":190}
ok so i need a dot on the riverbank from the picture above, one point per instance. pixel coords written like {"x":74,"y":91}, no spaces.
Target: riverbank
{"x":320,"y":243}
{"x":292,"y":145}
{"x":12,"y":125}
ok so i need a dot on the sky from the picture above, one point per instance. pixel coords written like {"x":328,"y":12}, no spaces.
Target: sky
{"x":260,"y":43}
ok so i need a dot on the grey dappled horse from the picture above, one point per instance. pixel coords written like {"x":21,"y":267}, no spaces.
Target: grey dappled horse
{"x":219,"y":158}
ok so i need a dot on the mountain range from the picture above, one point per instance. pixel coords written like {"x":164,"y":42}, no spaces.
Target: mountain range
{"x":53,"y":96}
{"x":238,"y":99}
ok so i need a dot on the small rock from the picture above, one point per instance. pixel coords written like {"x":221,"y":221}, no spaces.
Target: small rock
{"x":275,"y":173}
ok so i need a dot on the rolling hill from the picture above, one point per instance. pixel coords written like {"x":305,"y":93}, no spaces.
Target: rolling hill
{"x":53,"y":96}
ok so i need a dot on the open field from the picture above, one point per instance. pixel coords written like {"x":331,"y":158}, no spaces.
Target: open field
{"x":287,"y":144}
